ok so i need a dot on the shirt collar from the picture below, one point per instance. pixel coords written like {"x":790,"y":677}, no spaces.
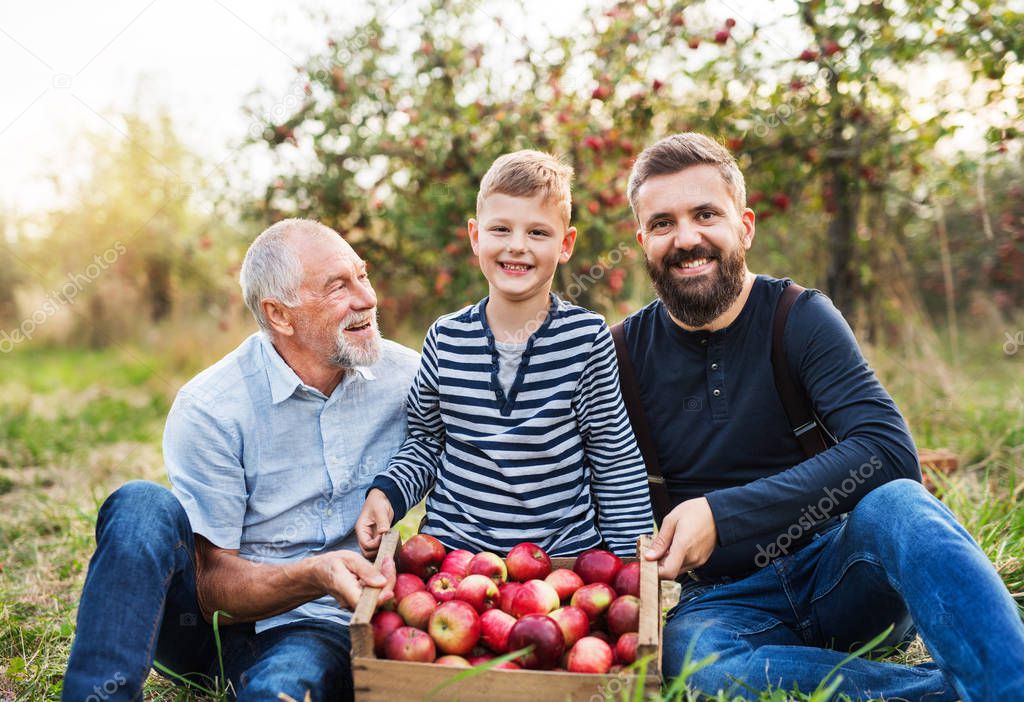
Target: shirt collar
{"x":284,"y":380}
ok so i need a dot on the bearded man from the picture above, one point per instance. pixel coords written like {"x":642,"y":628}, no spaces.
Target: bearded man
{"x":790,"y":558}
{"x":269,"y":453}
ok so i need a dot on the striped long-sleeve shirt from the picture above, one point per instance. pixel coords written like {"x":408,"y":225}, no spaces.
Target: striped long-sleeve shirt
{"x":528,"y":465}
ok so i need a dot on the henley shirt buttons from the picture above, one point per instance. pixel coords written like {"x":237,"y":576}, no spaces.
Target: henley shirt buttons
{"x":716,"y":392}
{"x":714,"y":366}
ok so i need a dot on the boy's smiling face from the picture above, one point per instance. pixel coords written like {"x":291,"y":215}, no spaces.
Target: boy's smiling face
{"x":520,"y":241}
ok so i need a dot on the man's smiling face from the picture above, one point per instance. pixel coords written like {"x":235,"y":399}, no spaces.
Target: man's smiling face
{"x":338,"y":314}
{"x":695,"y":238}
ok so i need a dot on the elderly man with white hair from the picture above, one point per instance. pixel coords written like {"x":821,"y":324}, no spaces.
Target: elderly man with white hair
{"x":269,"y":453}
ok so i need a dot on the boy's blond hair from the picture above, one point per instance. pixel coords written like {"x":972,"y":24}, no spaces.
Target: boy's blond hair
{"x":526,"y":173}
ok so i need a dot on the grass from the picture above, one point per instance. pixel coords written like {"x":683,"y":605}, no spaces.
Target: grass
{"x":76,"y":424}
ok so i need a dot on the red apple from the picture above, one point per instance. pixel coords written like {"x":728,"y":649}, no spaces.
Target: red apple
{"x":383,"y":623}
{"x":455,"y":627}
{"x":421,"y":555}
{"x":590,"y":655}
{"x":416,"y":608}
{"x":406,"y":583}
{"x":508,"y":595}
{"x":457,"y":562}
{"x":593,"y":599}
{"x":597,"y":566}
{"x":534,"y":597}
{"x":409,"y":644}
{"x":527,"y":561}
{"x":494,"y":628}
{"x":541,"y":632}
{"x":574,"y":623}
{"x":565,"y":582}
{"x":442,"y":585}
{"x":625,"y":648}
{"x":477,"y":660}
{"x":624,"y":615}
{"x":489,"y":564}
{"x":453,"y":661}
{"x":627,"y":582}
{"x":479,"y":591}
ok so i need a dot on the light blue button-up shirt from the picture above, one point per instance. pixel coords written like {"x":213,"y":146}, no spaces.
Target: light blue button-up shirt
{"x":268,"y":465}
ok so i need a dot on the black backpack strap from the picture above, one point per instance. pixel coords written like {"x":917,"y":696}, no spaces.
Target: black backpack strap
{"x":802,"y":419}
{"x":661,"y":504}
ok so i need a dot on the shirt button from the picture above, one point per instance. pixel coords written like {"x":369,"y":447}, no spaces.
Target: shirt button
{"x":714,"y":366}
{"x":716,"y":392}
{"x":704,"y":342}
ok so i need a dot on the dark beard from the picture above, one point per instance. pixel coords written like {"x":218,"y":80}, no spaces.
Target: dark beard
{"x":697,"y":302}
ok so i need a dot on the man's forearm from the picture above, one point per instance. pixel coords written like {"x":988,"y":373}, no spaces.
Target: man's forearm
{"x":248,"y":591}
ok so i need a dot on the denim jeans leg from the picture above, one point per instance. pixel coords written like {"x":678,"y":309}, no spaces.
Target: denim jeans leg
{"x":308,"y":655}
{"x":140,"y":577}
{"x":755,"y":629}
{"x":958,"y":603}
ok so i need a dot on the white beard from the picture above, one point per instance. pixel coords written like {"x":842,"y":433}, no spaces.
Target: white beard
{"x":349,"y":355}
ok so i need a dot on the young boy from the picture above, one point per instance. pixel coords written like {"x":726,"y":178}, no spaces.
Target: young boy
{"x":516,"y":423}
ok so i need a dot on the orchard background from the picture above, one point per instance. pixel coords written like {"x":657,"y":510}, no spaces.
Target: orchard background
{"x":882,"y":147}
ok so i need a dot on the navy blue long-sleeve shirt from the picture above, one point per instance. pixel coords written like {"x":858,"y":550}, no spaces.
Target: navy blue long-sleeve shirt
{"x":721,"y":430}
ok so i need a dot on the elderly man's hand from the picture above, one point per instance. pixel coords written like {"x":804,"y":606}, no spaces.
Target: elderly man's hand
{"x":343,"y":574}
{"x":686,"y":539}
{"x":373,"y":521}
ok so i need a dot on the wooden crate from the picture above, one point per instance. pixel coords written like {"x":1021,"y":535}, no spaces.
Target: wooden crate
{"x":379,"y":680}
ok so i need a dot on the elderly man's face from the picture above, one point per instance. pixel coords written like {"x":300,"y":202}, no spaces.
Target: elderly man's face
{"x":337,"y":318}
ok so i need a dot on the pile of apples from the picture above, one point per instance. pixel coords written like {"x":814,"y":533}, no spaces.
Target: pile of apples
{"x":462,"y":609}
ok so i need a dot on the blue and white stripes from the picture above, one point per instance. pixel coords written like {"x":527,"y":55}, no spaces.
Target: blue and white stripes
{"x":530,"y":465}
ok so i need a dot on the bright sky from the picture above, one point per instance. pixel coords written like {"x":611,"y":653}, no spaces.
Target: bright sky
{"x":71,"y":66}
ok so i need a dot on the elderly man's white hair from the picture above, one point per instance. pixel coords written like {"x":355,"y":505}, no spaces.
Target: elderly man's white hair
{"x":272,"y":269}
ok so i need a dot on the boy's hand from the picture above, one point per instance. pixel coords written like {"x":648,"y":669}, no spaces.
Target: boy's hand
{"x":373,"y":521}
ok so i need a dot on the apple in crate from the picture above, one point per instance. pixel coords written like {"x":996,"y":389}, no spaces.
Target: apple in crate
{"x":527,"y":561}
{"x":479,"y":591}
{"x":627,"y":582}
{"x":590,"y":655}
{"x":457,"y":562}
{"x":541,"y":632}
{"x":406,"y":583}
{"x":443,"y":585}
{"x":383,"y":623}
{"x":495,"y":626}
{"x":453,"y":661}
{"x":624,"y":615}
{"x":455,"y":627}
{"x":565,"y":582}
{"x":574,"y":623}
{"x":534,"y":597}
{"x":597,"y":566}
{"x":594,"y":599}
{"x":421,"y":555}
{"x":416,"y":608}
{"x":507,"y":595}
{"x":409,"y":644}
{"x":625,"y":648}
{"x":489,"y":564}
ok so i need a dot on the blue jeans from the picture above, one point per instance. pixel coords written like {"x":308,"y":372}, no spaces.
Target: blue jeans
{"x":139,"y":603}
{"x":900,"y":558}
